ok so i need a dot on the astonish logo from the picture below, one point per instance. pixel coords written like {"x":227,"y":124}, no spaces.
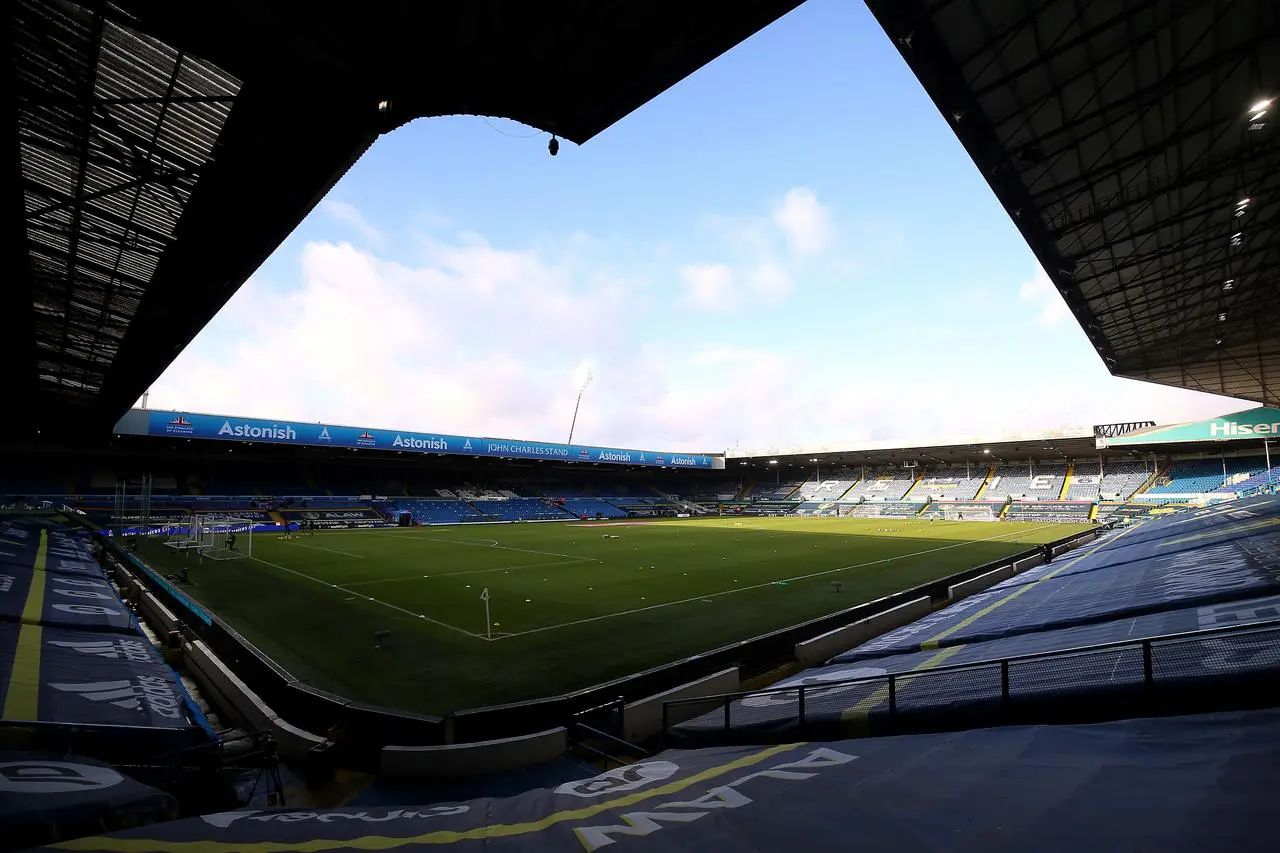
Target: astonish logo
{"x":274,"y":432}
{"x":614,"y":456}
{"x":432,"y":443}
{"x":1231,"y":428}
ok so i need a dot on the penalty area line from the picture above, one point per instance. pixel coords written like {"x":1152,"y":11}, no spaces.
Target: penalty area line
{"x":712,"y":595}
{"x":330,"y":550}
{"x":462,"y":573}
{"x":482,"y":543}
{"x":419,"y":616}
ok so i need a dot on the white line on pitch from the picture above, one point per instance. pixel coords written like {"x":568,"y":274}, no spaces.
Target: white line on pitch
{"x":476,"y":543}
{"x":383,"y":603}
{"x":772,"y":582}
{"x":330,"y":550}
{"x":466,"y":572}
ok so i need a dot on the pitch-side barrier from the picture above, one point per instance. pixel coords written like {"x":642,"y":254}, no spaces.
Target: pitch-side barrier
{"x":1092,"y":683}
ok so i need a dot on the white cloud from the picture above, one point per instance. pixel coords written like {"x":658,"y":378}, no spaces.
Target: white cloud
{"x":350,"y":215}
{"x":804,"y":222}
{"x":708,"y":286}
{"x":1040,"y":292}
{"x":770,"y":280}
{"x":477,"y":339}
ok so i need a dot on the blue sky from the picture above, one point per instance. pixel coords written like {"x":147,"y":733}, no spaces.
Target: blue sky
{"x":789,"y":248}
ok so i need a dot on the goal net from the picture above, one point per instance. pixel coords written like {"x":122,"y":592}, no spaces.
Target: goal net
{"x":218,"y":537}
{"x":968,"y":513}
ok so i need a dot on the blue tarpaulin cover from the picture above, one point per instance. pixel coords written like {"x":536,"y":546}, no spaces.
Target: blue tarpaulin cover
{"x":1177,"y":785}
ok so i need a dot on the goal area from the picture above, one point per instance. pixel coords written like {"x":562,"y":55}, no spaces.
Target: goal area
{"x":968,"y":513}
{"x":218,"y":537}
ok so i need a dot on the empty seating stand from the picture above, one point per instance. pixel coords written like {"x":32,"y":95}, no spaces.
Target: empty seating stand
{"x":1036,"y":482}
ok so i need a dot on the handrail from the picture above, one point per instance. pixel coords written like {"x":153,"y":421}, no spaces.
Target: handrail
{"x":1004,"y":662}
{"x":597,"y":734}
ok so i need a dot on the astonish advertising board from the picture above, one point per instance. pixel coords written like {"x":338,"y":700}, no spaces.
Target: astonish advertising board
{"x":220,"y":427}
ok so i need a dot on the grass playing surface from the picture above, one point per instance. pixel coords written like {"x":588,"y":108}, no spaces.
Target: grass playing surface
{"x":570,"y":608}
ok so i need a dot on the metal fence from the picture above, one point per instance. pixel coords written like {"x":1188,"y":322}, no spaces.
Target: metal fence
{"x":1201,"y":660}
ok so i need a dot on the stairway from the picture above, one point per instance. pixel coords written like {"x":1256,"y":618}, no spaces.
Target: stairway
{"x":983,"y":488}
{"x":687,"y":506}
{"x":1150,"y":481}
{"x":1066,"y":482}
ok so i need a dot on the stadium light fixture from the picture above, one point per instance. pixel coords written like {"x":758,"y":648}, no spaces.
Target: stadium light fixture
{"x":1259,"y":109}
{"x":1222,"y":318}
{"x":988,"y":452}
{"x":773,"y":461}
{"x":1228,"y":285}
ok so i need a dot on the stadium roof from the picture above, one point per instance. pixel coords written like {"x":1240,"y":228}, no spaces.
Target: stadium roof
{"x":1136,"y":146}
{"x":161,"y":151}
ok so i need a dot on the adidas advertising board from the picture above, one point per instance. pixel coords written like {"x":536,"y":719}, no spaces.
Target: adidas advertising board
{"x":69,"y":601}
{"x":99,"y":678}
{"x":224,"y":428}
{"x":836,"y":796}
{"x":69,"y":555}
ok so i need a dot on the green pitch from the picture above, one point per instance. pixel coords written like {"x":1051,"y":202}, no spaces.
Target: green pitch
{"x":571,"y":605}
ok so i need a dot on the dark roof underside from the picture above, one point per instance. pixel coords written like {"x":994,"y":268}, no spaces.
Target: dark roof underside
{"x":162,"y":150}
{"x":1133,"y":146}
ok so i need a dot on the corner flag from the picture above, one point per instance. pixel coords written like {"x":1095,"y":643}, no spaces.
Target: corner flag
{"x":484,"y":596}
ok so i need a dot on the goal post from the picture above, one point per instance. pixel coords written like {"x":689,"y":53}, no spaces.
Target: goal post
{"x":213,"y":535}
{"x":968,"y":513}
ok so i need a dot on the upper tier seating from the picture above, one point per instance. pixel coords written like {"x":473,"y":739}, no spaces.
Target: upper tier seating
{"x":1118,"y":481}
{"x":1199,"y":476}
{"x":830,"y":489}
{"x":1262,"y":478}
{"x":886,"y":486}
{"x":775,"y":491}
{"x":953,"y":485}
{"x":1039,"y":482}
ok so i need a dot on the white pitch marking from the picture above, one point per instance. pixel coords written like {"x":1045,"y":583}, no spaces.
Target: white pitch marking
{"x":330,"y":550}
{"x":479,"y":543}
{"x":711,"y":595}
{"x":383,"y":603}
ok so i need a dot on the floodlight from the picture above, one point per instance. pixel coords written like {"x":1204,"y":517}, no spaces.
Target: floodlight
{"x":1260,"y":108}
{"x":553,"y":147}
{"x":1222,"y":318}
{"x":1228,"y":285}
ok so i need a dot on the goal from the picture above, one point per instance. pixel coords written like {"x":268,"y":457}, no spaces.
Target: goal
{"x":968,"y":513}
{"x":218,"y":537}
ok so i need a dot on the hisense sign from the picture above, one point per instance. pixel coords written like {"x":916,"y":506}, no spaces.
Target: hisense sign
{"x":1225,"y":429}
{"x":1251,"y":425}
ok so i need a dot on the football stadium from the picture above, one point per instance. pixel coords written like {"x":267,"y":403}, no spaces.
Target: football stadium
{"x":225,"y":632}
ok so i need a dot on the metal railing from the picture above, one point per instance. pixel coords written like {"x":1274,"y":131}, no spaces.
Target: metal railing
{"x":600,"y":733}
{"x":884,"y":693}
